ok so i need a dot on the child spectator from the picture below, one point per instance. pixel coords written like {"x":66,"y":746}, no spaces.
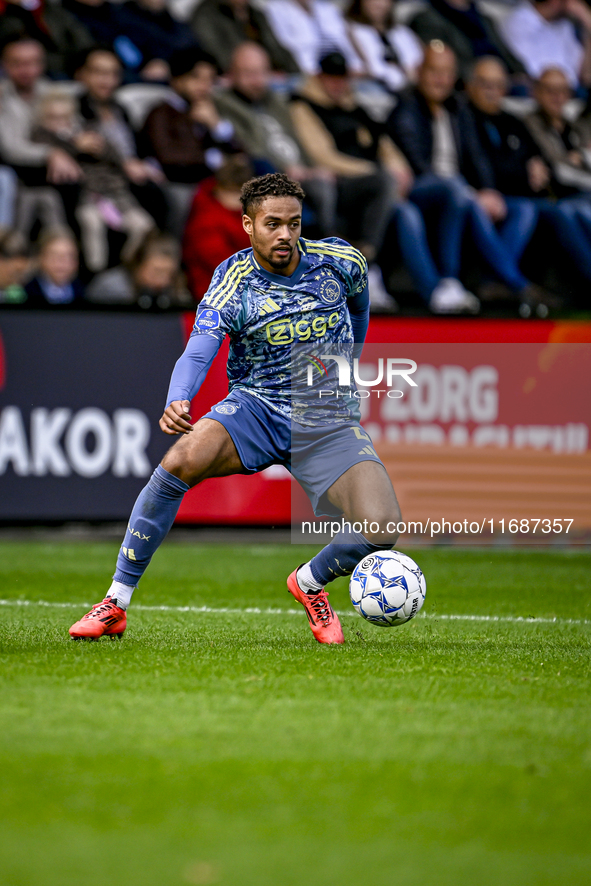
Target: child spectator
{"x":151,"y":280}
{"x":214,"y":229}
{"x":105,"y":200}
{"x":391,"y":53}
{"x":56,"y":282}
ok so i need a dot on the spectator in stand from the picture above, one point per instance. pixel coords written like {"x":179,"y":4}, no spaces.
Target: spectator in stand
{"x":310,"y":30}
{"x":14,"y":267}
{"x":56,"y":282}
{"x":58,"y":31}
{"x":156,"y":34}
{"x":222,"y":25}
{"x":391,"y":53}
{"x":544,"y":34}
{"x":214,"y":228}
{"x":36,"y":165}
{"x":566,"y":148}
{"x":564,"y":145}
{"x":106,"y":202}
{"x":99,"y":71}
{"x":112,"y":25}
{"x":152,"y":280}
{"x":519,"y":173}
{"x":185,"y":134}
{"x":338,"y":136}
{"x":100,"y":18}
{"x":262,"y":121}
{"x":453,"y":179}
{"x":465,"y":29}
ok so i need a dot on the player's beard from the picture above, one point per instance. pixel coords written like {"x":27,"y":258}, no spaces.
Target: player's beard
{"x":280,"y":262}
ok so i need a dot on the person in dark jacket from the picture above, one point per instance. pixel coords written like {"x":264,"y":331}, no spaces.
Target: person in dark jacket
{"x":436,"y":133}
{"x":519,"y":173}
{"x":186,"y":135}
{"x":461,"y":26}
{"x":222,"y":25}
{"x":566,"y":148}
{"x":99,"y":17}
{"x":153,"y":30}
{"x":143,"y":34}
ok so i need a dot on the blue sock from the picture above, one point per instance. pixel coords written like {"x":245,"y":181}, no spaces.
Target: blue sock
{"x":342,"y":555}
{"x":152,"y":516}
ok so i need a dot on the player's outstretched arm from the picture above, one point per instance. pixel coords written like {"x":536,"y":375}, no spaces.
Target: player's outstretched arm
{"x":176,"y":418}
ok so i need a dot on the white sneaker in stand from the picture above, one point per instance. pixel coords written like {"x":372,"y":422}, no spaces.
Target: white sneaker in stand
{"x":450,"y":297}
{"x":380,"y":300}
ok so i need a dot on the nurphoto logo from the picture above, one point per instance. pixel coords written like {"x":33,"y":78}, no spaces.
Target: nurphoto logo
{"x":388,"y":372}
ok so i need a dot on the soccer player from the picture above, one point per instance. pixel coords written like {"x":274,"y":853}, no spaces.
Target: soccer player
{"x":282,"y":291}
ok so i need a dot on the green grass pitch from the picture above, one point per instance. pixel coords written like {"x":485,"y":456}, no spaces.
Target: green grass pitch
{"x":227,"y":747}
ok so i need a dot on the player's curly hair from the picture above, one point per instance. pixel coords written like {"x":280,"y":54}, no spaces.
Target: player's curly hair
{"x":274,"y":184}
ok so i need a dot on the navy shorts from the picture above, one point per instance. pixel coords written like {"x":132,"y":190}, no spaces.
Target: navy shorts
{"x":316,"y":456}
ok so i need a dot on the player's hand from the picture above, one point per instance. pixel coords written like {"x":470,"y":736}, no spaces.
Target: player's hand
{"x":176,"y":418}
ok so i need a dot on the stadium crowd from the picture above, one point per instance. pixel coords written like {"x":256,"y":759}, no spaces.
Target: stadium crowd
{"x":415,"y":128}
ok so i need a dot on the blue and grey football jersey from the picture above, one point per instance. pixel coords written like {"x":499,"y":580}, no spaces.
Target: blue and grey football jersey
{"x":265,"y":315}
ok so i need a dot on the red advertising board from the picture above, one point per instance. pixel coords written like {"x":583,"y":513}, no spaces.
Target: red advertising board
{"x":487,"y":389}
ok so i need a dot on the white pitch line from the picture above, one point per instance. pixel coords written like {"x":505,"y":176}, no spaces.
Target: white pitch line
{"x":254,"y":610}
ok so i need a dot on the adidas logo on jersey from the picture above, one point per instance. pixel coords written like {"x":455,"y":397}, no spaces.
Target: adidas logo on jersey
{"x":269,"y":307}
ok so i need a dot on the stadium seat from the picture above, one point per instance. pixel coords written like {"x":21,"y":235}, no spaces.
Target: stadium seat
{"x":138,"y":99}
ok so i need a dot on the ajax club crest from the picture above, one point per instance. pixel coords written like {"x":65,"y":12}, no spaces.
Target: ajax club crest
{"x":329,"y":290}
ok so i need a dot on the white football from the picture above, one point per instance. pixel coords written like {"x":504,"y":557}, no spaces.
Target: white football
{"x":387,"y":588}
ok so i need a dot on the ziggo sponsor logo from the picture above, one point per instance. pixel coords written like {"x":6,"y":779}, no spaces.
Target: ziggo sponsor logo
{"x":284,"y":332}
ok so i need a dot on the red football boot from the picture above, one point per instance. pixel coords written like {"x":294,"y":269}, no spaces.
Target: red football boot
{"x":104,"y":619}
{"x":324,"y":623}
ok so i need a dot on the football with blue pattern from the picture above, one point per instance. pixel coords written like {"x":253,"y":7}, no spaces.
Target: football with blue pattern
{"x":387,"y":588}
